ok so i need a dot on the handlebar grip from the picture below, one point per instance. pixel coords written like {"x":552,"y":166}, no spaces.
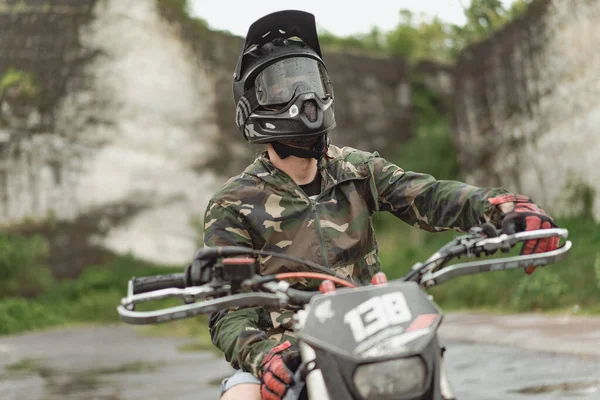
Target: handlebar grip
{"x":156,"y":282}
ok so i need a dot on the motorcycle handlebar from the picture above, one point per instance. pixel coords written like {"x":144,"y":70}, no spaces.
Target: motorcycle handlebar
{"x":281,"y":295}
{"x":280,"y":299}
{"x":131,"y":316}
{"x":431,"y":278}
{"x":491,"y":243}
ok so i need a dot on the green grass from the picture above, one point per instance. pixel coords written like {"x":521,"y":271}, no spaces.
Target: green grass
{"x":93,"y":297}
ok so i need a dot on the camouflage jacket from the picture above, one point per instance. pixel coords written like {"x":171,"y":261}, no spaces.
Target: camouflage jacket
{"x":264,"y":209}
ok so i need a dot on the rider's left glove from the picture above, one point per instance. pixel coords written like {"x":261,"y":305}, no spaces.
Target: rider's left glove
{"x":526,"y":216}
{"x":277,"y":371}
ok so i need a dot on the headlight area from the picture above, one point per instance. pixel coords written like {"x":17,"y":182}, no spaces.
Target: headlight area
{"x":392,"y":378}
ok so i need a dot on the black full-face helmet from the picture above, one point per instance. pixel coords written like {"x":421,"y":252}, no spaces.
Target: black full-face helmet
{"x":282,"y":92}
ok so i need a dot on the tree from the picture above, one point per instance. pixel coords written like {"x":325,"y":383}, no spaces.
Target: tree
{"x":485,"y":16}
{"x":518,"y":8}
{"x":417,"y":37}
{"x":372,"y":41}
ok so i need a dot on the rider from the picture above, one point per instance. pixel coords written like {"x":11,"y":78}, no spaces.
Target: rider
{"x":306,"y":197}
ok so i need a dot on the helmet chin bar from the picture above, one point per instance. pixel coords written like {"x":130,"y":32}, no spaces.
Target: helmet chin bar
{"x":320,"y":148}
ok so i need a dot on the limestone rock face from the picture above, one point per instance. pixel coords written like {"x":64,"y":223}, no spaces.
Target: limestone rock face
{"x":527,"y":106}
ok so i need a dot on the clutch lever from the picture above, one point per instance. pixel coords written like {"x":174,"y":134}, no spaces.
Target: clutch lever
{"x":188,"y":294}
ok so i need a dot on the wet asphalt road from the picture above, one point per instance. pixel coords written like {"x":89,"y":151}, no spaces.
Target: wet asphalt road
{"x":491,"y":372}
{"x":117,"y":363}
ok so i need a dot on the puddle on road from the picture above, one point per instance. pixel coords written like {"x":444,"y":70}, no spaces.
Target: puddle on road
{"x":568,"y":388}
{"x":60,"y":383}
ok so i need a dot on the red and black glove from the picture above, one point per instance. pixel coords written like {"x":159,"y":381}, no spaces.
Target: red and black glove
{"x":526,"y":216}
{"x":277,"y":371}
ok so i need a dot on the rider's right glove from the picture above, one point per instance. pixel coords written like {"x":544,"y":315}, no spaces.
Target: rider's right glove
{"x":277,"y":371}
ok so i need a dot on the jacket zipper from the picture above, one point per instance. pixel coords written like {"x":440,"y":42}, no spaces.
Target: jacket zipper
{"x":313,"y":203}
{"x":313,"y":207}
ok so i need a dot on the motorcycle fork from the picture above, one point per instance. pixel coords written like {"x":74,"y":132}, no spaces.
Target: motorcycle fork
{"x":315,"y":383}
{"x":445,"y":387}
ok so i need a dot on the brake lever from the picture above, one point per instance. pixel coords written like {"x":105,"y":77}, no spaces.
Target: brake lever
{"x":460,"y":245}
{"x":437,"y":259}
{"x":512,"y":239}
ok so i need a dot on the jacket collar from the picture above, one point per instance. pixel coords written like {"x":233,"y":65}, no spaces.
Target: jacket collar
{"x":333,"y":167}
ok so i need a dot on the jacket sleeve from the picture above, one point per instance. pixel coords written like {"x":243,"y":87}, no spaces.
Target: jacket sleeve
{"x":239,"y":333}
{"x":433,"y":205}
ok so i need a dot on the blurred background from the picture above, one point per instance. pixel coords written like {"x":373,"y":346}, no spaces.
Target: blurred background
{"x":117,"y":125}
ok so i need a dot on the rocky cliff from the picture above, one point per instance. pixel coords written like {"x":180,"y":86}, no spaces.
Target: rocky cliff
{"x":527,"y":106}
{"x":116,"y":118}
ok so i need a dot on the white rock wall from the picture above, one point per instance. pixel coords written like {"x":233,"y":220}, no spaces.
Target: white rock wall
{"x":152,"y":106}
{"x":159,"y":108}
{"x":528,"y":105}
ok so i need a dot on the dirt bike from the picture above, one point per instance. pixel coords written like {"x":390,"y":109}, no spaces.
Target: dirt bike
{"x":370,"y":342}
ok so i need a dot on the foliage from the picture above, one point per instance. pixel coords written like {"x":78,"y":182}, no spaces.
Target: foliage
{"x":543,"y":289}
{"x":429,"y":151}
{"x":22,"y":269}
{"x":597,"y":270}
{"x":418,"y":38}
{"x":92,"y":297}
{"x":581,"y":196}
{"x":179,"y":10}
{"x":371,"y":41}
{"x":24,"y":83}
{"x":485,"y":16}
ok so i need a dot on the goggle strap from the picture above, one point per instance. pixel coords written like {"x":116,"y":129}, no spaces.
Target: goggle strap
{"x":245,"y":106}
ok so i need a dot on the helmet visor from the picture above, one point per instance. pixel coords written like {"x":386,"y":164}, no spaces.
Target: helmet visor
{"x":279,"y":82}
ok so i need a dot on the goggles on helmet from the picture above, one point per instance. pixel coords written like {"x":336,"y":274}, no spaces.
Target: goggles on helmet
{"x":281,"y":81}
